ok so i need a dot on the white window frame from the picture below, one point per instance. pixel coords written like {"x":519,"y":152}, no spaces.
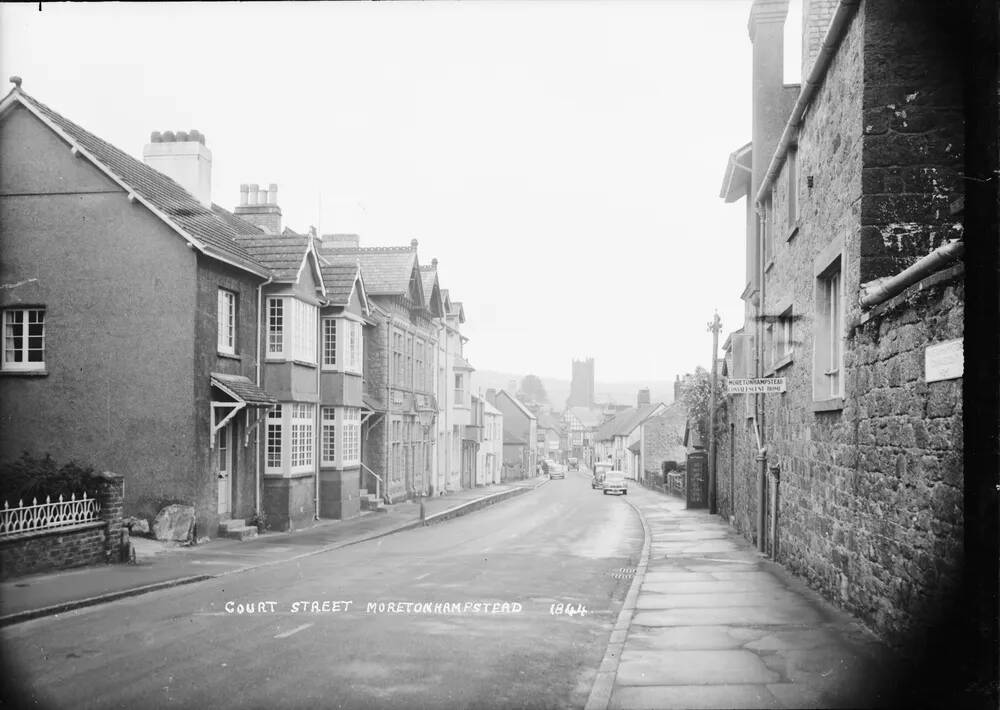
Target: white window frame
{"x":328,"y":436}
{"x":459,"y":389}
{"x":274,"y":447}
{"x":23,"y":328}
{"x":829,"y":329}
{"x":305,"y":320}
{"x":301,"y":439}
{"x":350,"y":436}
{"x":276,"y":312}
{"x":226,"y":336}
{"x":354,"y":358}
{"x":330,"y":327}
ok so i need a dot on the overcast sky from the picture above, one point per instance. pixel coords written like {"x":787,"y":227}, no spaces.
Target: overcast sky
{"x":562,"y":160}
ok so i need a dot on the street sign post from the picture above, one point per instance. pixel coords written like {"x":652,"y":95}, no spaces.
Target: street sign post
{"x":755,"y":385}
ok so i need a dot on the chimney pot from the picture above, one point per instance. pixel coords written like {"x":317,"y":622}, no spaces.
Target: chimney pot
{"x":272,"y":192}
{"x":169,"y":137}
{"x":182,"y":137}
{"x":413,"y":243}
{"x":244,"y":194}
{"x":196,"y":135}
{"x":434,"y":262}
{"x":254,"y":193}
{"x":155,"y":137}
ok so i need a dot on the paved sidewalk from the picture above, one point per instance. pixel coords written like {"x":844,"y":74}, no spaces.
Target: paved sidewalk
{"x":710,"y":623}
{"x":159,"y":566}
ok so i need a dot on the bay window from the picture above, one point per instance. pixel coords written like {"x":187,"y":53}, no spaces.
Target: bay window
{"x":329,"y":343}
{"x":291,"y":329}
{"x":274,"y":448}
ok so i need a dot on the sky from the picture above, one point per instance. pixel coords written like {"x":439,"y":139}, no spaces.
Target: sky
{"x":561,"y":159}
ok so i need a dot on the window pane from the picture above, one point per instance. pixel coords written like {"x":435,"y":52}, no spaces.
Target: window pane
{"x":275,"y":325}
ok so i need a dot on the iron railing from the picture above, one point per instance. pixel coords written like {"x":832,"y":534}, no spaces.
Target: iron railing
{"x":49,"y":515}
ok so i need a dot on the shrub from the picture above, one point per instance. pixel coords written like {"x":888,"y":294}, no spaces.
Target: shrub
{"x":32,"y":477}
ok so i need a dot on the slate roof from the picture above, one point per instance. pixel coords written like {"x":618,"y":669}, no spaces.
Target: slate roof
{"x":625,"y":421}
{"x":339,"y":279}
{"x":243,"y":388}
{"x":517,"y":403}
{"x":462,"y":364}
{"x":282,"y":254}
{"x":177,"y":204}
{"x":387,"y":270}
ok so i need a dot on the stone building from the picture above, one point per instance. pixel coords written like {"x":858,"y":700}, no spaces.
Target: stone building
{"x":854,"y":293}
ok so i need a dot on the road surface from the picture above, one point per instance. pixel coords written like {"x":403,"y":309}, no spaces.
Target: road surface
{"x":410,"y":637}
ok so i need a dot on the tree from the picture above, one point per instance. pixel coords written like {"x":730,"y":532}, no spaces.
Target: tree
{"x":696,"y":396}
{"x":532,"y":390}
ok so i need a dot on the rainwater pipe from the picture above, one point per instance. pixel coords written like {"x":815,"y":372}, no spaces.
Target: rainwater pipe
{"x":887,"y":288}
{"x":759,"y":420}
{"x":775,"y":481}
{"x":318,"y":410}
{"x":388,"y":404}
{"x":834,"y":34}
{"x":259,"y":458}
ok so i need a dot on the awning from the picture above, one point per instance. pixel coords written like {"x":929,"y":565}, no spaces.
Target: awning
{"x":635,"y":448}
{"x":245,"y":394}
{"x":242,"y":389}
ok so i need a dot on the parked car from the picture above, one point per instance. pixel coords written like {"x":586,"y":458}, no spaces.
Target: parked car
{"x":600,"y":469}
{"x":614,"y":482}
{"x":556,"y":471}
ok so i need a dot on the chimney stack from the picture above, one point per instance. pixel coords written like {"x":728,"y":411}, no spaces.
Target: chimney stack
{"x":183,"y":157}
{"x":331,"y":242}
{"x":767,"y":34}
{"x":642,"y":398}
{"x":677,"y":389}
{"x":816,"y":17}
{"x":260,"y":207}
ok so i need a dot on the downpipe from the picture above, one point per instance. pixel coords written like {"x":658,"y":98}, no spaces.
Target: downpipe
{"x":775,"y":485}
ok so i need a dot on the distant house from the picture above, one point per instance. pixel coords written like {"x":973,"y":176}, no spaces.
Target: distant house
{"x":491,"y":450}
{"x":520,"y":434}
{"x":621,"y":439}
{"x":582,"y":423}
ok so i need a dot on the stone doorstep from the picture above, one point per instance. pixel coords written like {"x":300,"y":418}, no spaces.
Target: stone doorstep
{"x":236,"y":530}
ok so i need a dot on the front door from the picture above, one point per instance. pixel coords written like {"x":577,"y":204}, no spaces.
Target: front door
{"x":224,"y":469}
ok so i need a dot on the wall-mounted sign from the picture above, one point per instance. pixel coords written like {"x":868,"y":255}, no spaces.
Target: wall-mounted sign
{"x":755,"y":385}
{"x":943,"y":361}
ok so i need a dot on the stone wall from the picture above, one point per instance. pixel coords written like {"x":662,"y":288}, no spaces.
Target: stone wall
{"x":869,"y":505}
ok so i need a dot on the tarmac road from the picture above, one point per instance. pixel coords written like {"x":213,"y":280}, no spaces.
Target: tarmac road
{"x":560,"y":544}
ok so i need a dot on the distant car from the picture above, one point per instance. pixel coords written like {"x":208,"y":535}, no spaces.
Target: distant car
{"x":556,"y":471}
{"x":573,"y":464}
{"x":614,"y":482}
{"x":600,"y":469}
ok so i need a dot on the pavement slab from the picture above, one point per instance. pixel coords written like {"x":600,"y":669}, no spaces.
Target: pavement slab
{"x":692,"y":697}
{"x":714,"y":667}
{"x":735,"y":615}
{"x":735,"y":599}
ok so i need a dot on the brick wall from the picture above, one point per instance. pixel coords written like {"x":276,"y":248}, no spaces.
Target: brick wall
{"x":85,"y":544}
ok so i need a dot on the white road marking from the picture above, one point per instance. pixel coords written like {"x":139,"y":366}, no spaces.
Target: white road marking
{"x":297,"y":629}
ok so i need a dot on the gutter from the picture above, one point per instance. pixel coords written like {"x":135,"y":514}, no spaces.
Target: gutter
{"x":834,"y":34}
{"x":887,"y":288}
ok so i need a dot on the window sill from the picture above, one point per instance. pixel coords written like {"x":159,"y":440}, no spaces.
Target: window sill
{"x":229,"y":356}
{"x":24,"y":373}
{"x":780,"y":365}
{"x":834,"y":404}
{"x":793,"y":231}
{"x":304,"y":363}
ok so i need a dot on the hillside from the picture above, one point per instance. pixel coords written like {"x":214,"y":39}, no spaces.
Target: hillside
{"x":558,"y":389}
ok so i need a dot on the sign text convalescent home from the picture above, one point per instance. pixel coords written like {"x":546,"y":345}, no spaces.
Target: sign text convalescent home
{"x":754,"y":385}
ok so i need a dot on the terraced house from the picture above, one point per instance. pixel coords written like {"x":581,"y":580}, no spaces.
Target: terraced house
{"x":397,"y":436}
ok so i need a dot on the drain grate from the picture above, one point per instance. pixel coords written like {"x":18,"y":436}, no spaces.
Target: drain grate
{"x":623,"y":573}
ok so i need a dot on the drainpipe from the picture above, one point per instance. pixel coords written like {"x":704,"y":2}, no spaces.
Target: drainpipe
{"x":317,"y":419}
{"x":775,"y":480}
{"x":258,"y":459}
{"x":838,"y":26}
{"x":937,"y":259}
{"x":761,"y":414}
{"x":388,"y":403}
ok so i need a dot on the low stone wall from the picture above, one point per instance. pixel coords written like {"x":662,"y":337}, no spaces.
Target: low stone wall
{"x":72,"y":546}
